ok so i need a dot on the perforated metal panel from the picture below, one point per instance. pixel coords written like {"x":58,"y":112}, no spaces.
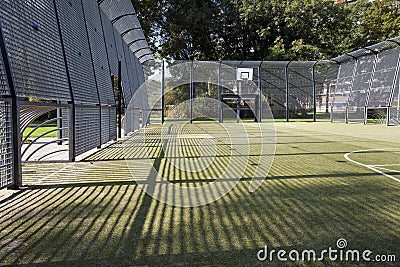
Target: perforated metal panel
{"x":123,"y":16}
{"x":383,"y":82}
{"x":105,"y":125}
{"x":113,"y":123}
{"x":87,"y":128}
{"x":6,"y":166}
{"x":6,"y":156}
{"x":360,"y":53}
{"x":65,"y":122}
{"x":34,"y":47}
{"x":99,"y":52}
{"x":360,"y":87}
{"x":130,"y":70}
{"x":394,"y":118}
{"x":139,"y":70}
{"x":76,"y":43}
{"x":136,"y":69}
{"x":110,"y":43}
{"x":325,"y":77}
{"x":108,"y":124}
{"x":126,"y":87}
{"x":342,"y":90}
{"x":301,"y":100}
{"x":4,"y":90}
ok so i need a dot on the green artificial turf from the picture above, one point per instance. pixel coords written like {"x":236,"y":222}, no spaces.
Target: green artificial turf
{"x":93,"y":213}
{"x":38,"y":132}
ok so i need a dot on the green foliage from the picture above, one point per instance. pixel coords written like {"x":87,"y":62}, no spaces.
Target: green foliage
{"x":265,"y":30}
{"x":356,"y":10}
{"x":298,"y":30}
{"x":41,"y":131}
{"x":380,"y":22}
{"x":302,"y":51}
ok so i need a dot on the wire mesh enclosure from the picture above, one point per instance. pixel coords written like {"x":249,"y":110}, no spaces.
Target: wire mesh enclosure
{"x":274,"y":85}
{"x":292,"y":90}
{"x":63,"y":59}
{"x":88,"y":62}
{"x":301,"y":89}
{"x":325,"y":73}
{"x":6,"y":155}
{"x":342,"y":90}
{"x":34,"y":49}
{"x":368,"y":85}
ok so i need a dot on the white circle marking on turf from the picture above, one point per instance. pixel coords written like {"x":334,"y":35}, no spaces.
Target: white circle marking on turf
{"x":372,"y":167}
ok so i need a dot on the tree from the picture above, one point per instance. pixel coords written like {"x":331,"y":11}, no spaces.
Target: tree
{"x":195,"y":29}
{"x":267,"y":22}
{"x":264,"y":30}
{"x":356,"y":11}
{"x":298,"y":29}
{"x":380,"y":22}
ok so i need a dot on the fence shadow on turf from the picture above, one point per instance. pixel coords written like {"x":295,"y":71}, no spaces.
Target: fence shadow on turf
{"x":93,"y":213}
{"x":117,"y":224}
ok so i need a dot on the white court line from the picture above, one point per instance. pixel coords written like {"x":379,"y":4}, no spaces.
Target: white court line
{"x":386,"y":165}
{"x":371,"y":167}
{"x":389,"y":170}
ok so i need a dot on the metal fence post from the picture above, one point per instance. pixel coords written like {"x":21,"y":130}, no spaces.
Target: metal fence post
{"x":71,"y":132}
{"x":220,"y":107}
{"x":191,"y":92}
{"x":60,"y":126}
{"x":16,"y":140}
{"x":314,"y":92}
{"x":287,"y":91}
{"x":163,"y":93}
{"x":334,"y":92}
{"x":120,"y":99}
{"x":260,"y":107}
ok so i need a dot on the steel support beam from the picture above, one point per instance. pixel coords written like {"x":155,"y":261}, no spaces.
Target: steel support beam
{"x":163,"y":93}
{"x":287,"y":91}
{"x":119,"y":106}
{"x":314,"y":91}
{"x":191,"y":92}
{"x":260,"y":106}
{"x":122,"y":16}
{"x":220,"y":107}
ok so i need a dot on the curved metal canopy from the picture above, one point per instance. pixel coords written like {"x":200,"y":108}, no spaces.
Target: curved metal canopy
{"x":373,"y":49}
{"x":124,"y":18}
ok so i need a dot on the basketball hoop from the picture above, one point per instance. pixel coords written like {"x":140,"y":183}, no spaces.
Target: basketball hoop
{"x":245,"y":74}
